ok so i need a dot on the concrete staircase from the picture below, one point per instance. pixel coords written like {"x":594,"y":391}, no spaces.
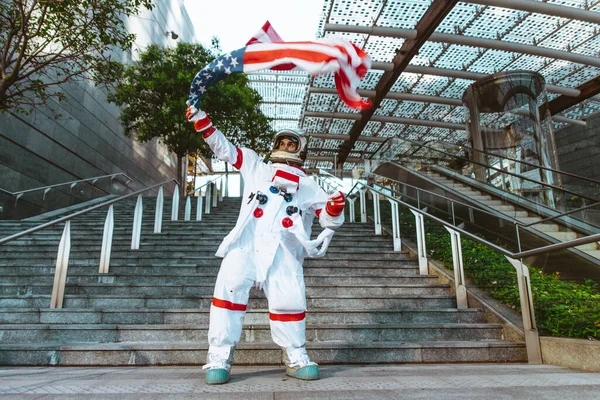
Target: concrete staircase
{"x":366,"y":304}
{"x":556,"y":231}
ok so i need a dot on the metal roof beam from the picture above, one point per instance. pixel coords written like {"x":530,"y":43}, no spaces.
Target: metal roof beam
{"x":543,"y":8}
{"x":435,"y":14}
{"x":422,"y":98}
{"x":330,"y":136}
{"x":454,"y":73}
{"x":587,"y":89}
{"x":475,"y":42}
{"x":383,"y":118}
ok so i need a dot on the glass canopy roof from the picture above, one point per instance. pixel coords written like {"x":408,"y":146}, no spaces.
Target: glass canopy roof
{"x":444,"y":67}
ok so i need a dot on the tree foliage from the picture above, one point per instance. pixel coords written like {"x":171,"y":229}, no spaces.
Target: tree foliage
{"x":153,"y":93}
{"x":47,"y":43}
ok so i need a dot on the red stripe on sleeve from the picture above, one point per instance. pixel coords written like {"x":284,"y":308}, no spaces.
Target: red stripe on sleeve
{"x":287,"y":317}
{"x":240,"y":159}
{"x":208,"y":132}
{"x":318,"y":212}
{"x":228,"y":305}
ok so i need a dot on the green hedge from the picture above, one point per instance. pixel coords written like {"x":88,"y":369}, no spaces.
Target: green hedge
{"x":563,"y":309}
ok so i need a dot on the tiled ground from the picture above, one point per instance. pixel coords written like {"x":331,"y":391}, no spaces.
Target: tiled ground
{"x":447,"y":381}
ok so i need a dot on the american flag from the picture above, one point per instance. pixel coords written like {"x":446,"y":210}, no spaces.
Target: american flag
{"x":266,"y":51}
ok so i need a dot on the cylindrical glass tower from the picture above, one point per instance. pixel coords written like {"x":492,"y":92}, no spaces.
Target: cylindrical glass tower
{"x":510,"y":130}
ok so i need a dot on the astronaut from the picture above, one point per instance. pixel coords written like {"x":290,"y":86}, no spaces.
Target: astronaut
{"x":266,"y":248}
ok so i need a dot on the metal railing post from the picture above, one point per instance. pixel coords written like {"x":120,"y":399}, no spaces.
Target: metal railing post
{"x":207,"y":197}
{"x":188,"y":209}
{"x":376,"y":212}
{"x":221,"y":182}
{"x":363,"y":206}
{"x":459,"y":271}
{"x":421,"y":248}
{"x":175,"y":205}
{"x":199,"y":207}
{"x":532,"y":339}
{"x":395,"y":226}
{"x":351,"y":217}
{"x":107,"y":237}
{"x":62,"y":264}
{"x":215,"y":195}
{"x":136,"y":232}
{"x":158,"y":213}
{"x":227,"y":184}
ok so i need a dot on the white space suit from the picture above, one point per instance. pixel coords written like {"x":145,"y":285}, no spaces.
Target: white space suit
{"x":266,"y":247}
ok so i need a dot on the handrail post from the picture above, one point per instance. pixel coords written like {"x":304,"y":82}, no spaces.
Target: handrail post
{"x":158,"y":213}
{"x":351,"y":217}
{"x":376,"y":212}
{"x":199,"y":207}
{"x":395,"y":226}
{"x":421,"y":248}
{"x":459,"y":272}
{"x":215,"y":194}
{"x":45,"y":193}
{"x":221,"y":182}
{"x":532,"y":339}
{"x":107,"y":237}
{"x":175,"y":205}
{"x":136,"y":232}
{"x":227,"y":184}
{"x":62,"y":264}
{"x":207,"y":197}
{"x":188,"y":209}
{"x":363,"y":206}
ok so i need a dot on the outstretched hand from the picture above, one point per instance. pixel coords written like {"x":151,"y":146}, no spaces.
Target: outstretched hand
{"x":335,"y":203}
{"x":199,"y":118}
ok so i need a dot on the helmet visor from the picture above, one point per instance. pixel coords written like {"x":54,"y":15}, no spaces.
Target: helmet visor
{"x":287,"y":143}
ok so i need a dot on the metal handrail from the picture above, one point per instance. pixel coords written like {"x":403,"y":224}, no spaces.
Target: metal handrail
{"x":532,"y":341}
{"x":424,"y":144}
{"x":82,"y":212}
{"x":544,"y":220}
{"x":547,"y":185}
{"x":502,"y":250}
{"x":64,"y":247}
{"x":207,"y":183}
{"x":47,"y":188}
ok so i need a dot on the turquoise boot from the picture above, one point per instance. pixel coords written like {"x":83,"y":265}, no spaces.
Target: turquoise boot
{"x":298,"y":365}
{"x":218,"y":364}
{"x":217,"y":376}
{"x":307,"y":373}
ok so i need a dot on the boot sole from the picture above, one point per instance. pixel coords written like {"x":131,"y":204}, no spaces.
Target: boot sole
{"x":307,"y":373}
{"x":216,"y":376}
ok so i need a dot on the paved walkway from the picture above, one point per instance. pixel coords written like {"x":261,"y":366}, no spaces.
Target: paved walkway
{"x":440,"y":381}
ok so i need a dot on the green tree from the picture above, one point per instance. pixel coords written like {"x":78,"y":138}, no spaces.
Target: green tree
{"x":153,"y":91}
{"x":46,"y":43}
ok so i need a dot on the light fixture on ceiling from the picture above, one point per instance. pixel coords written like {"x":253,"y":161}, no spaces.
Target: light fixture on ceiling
{"x":174,"y":36}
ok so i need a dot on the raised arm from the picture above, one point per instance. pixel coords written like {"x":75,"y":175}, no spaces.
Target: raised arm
{"x":215,"y":139}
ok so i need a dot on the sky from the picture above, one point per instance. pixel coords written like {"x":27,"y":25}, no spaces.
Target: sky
{"x":234,"y":22}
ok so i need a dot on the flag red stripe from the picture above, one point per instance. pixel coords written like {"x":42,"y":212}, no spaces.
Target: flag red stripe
{"x":259,"y":57}
{"x":287,"y":317}
{"x":228,"y":305}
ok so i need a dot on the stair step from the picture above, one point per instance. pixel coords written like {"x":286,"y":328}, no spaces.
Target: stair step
{"x":150,"y":291}
{"x":253,"y":316}
{"x":107,"y":333}
{"x":82,"y":301}
{"x":127,"y":354}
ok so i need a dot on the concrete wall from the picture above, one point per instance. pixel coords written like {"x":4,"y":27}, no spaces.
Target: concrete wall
{"x":579,"y":147}
{"x":83,"y":137}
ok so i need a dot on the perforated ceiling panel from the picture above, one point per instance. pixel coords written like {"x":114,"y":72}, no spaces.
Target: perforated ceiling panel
{"x":286,"y":95}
